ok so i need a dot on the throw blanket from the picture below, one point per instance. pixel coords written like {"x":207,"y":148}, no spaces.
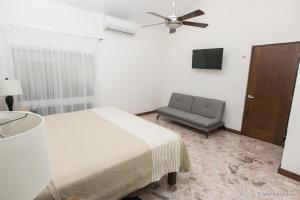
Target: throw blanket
{"x":168,"y":150}
{"x":106,"y":153}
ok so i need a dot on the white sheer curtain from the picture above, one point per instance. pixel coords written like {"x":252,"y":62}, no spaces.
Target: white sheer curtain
{"x":56,"y":70}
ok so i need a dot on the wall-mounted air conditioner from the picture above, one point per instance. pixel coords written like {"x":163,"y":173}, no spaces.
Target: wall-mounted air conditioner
{"x":123,"y":26}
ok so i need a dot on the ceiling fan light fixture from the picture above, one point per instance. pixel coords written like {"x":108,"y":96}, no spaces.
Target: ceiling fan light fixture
{"x":173,"y":24}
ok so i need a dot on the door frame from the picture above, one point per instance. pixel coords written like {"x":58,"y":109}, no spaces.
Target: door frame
{"x":249,"y":74}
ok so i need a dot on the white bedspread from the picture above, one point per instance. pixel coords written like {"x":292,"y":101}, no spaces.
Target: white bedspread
{"x":164,"y":144}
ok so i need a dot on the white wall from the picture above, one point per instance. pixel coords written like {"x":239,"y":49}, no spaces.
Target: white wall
{"x":291,"y":155}
{"x":127,"y":75}
{"x":49,"y":15}
{"x":130,"y":71}
{"x":237,"y":26}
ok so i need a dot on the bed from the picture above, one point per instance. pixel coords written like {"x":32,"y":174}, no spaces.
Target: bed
{"x":106,"y":153}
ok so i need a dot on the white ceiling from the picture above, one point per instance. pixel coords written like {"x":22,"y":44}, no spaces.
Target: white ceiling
{"x":133,"y":10}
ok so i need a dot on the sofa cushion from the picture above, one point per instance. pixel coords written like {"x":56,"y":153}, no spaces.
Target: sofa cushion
{"x":200,"y":120}
{"x":171,"y":111}
{"x":210,"y":108}
{"x":188,"y":117}
{"x":181,"y":101}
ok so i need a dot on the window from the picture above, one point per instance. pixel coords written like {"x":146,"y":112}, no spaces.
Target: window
{"x":55,"y":81}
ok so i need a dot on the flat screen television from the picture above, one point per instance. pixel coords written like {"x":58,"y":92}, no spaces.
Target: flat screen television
{"x":208,"y":58}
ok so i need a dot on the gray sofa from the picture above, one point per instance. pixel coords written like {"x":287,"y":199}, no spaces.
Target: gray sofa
{"x":197,"y":112}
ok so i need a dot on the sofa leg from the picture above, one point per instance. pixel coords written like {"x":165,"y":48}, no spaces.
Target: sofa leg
{"x":172,"y":178}
{"x":206,"y":134}
{"x":157,"y":117}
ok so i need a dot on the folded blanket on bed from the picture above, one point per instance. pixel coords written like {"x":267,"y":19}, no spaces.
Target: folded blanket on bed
{"x":106,"y":153}
{"x":168,"y":150}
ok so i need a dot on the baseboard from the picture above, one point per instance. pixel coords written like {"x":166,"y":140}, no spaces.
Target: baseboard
{"x":288,"y":174}
{"x":233,"y":131}
{"x":146,"y":113}
{"x":225,"y":128}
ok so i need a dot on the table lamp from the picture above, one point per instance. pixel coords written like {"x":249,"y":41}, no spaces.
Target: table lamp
{"x":9,"y":88}
{"x":24,"y":159}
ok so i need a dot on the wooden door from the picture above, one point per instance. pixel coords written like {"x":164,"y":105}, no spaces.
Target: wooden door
{"x":271,"y":84}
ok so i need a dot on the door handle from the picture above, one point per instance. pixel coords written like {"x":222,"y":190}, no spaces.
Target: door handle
{"x":250,"y":96}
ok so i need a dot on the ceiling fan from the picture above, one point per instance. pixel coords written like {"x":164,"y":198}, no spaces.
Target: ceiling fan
{"x":173,"y":22}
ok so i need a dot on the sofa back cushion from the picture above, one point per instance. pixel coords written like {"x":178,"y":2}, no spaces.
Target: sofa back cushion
{"x":210,"y":108}
{"x":181,"y":102}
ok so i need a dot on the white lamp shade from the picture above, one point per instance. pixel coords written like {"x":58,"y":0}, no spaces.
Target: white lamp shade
{"x":10,"y":87}
{"x":24,"y":159}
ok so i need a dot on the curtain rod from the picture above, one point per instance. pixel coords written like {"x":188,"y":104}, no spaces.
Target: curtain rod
{"x":65,"y":33}
{"x":80,"y":35}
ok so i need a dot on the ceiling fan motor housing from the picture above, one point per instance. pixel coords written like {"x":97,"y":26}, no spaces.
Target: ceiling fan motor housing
{"x":173,"y":22}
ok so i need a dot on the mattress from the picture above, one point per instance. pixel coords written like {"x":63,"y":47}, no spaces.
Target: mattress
{"x":106,"y":153}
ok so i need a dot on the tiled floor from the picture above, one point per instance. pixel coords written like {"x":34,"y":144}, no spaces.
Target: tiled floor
{"x":225,"y":166}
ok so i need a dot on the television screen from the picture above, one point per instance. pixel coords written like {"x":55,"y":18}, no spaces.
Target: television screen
{"x":208,"y":58}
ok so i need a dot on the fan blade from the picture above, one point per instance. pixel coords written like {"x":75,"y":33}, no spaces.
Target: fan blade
{"x":201,"y":25}
{"x":172,"y":31}
{"x":191,"y":15}
{"x":152,"y":25}
{"x":157,"y":15}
